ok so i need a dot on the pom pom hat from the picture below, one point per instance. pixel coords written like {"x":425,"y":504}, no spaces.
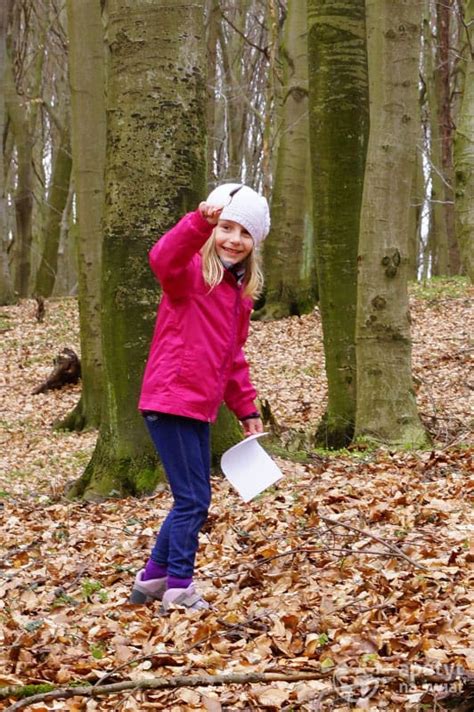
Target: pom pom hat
{"x":244,"y":206}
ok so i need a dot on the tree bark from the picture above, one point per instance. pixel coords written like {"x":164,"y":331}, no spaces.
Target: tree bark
{"x":464,"y":154}
{"x":7,"y":295}
{"x":386,"y":408}
{"x":56,"y":203}
{"x":338,"y":102}
{"x":443,"y":85}
{"x":289,"y":248}
{"x":88,"y":128}
{"x":213,"y":22}
{"x":155,"y":172}
{"x":24,"y":142}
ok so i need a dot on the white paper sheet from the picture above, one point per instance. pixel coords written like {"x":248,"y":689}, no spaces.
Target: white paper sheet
{"x":249,"y":469}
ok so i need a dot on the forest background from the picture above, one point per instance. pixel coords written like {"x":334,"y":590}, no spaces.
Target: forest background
{"x":356,"y":119}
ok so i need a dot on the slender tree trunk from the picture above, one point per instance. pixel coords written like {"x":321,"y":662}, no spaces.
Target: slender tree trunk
{"x":464,"y":153}
{"x":7,"y":295}
{"x":438,"y":226}
{"x":88,"y":121}
{"x":338,"y":101}
{"x":289,"y":267}
{"x":155,"y":173}
{"x":66,"y":279}
{"x":236,"y":112}
{"x":386,"y":408}
{"x":56,"y":202}
{"x":24,"y":184}
{"x":213,"y":20}
{"x":444,"y":10}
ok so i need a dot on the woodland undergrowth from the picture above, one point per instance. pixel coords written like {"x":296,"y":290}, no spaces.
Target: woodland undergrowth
{"x":355,"y":572}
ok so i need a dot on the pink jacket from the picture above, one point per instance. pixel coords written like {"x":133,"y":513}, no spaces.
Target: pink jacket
{"x":196,"y":359}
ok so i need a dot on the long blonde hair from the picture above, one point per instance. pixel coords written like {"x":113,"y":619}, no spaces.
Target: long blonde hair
{"x":213,"y":269}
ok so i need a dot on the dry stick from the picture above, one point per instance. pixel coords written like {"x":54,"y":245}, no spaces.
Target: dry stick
{"x":394,"y":549}
{"x":160,"y":683}
{"x":326,"y":550}
{"x":163,"y":683}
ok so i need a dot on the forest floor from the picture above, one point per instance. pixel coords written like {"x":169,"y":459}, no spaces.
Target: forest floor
{"x":355,"y":572}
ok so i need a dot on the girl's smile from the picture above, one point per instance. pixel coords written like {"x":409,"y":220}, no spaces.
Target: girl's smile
{"x":233,"y":242}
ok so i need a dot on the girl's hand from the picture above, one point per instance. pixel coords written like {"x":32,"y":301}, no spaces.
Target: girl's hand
{"x":252,"y":426}
{"x":210,"y":212}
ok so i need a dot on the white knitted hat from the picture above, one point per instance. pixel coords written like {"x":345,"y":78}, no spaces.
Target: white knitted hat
{"x":244,"y":206}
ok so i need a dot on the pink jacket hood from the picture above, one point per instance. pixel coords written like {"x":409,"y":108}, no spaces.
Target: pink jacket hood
{"x":196,"y":358}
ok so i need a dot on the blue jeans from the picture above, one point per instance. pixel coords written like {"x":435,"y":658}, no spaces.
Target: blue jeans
{"x":184,"y":449}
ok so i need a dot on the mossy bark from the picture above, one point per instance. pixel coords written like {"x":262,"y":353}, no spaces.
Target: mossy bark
{"x":464,"y":155}
{"x":386,"y":407}
{"x":155,"y":172}
{"x":225,"y":432}
{"x":55,"y":204}
{"x":338,"y":106}
{"x":290,"y":270}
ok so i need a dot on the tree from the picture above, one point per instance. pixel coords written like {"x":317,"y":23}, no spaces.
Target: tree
{"x":155,"y":172}
{"x":338,"y":106}
{"x":288,"y":251}
{"x":443,"y":86}
{"x":24,"y":61}
{"x":88,"y":123}
{"x":7,"y":295}
{"x":55,"y":205}
{"x":386,"y":408}
{"x":464,"y":153}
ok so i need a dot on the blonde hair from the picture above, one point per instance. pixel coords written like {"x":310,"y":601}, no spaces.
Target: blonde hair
{"x":213,"y":269}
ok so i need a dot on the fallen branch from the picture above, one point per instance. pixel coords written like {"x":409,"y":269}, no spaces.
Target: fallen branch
{"x":392,"y":547}
{"x":156,"y":683}
{"x":458,"y":677}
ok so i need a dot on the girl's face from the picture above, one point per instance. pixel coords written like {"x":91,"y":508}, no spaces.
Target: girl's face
{"x":233,"y":242}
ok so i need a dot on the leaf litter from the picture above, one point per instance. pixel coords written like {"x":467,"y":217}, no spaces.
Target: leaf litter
{"x":358,"y":566}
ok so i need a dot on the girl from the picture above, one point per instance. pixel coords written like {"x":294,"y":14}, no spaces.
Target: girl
{"x":208,"y":269}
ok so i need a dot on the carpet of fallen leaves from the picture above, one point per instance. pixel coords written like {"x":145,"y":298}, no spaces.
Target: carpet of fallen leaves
{"x":374,"y":606}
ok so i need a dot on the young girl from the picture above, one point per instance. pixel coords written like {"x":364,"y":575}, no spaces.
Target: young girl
{"x":208,"y":269}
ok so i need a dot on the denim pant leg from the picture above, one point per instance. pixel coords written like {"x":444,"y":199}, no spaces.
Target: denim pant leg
{"x":183,"y":446}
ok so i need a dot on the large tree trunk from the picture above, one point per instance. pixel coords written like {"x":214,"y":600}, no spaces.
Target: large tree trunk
{"x":386,"y":408}
{"x":288,"y":250}
{"x":7,"y":295}
{"x":155,"y":173}
{"x":88,"y":121}
{"x":56,"y":202}
{"x":464,"y":154}
{"x":338,"y":95}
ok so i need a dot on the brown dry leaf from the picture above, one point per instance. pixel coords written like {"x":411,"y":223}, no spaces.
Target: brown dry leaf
{"x":331,"y":597}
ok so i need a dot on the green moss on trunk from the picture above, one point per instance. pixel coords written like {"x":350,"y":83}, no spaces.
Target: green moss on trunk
{"x":225,"y":432}
{"x":338,"y":105}
{"x":112,"y":474}
{"x":155,"y":172}
{"x":290,"y":270}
